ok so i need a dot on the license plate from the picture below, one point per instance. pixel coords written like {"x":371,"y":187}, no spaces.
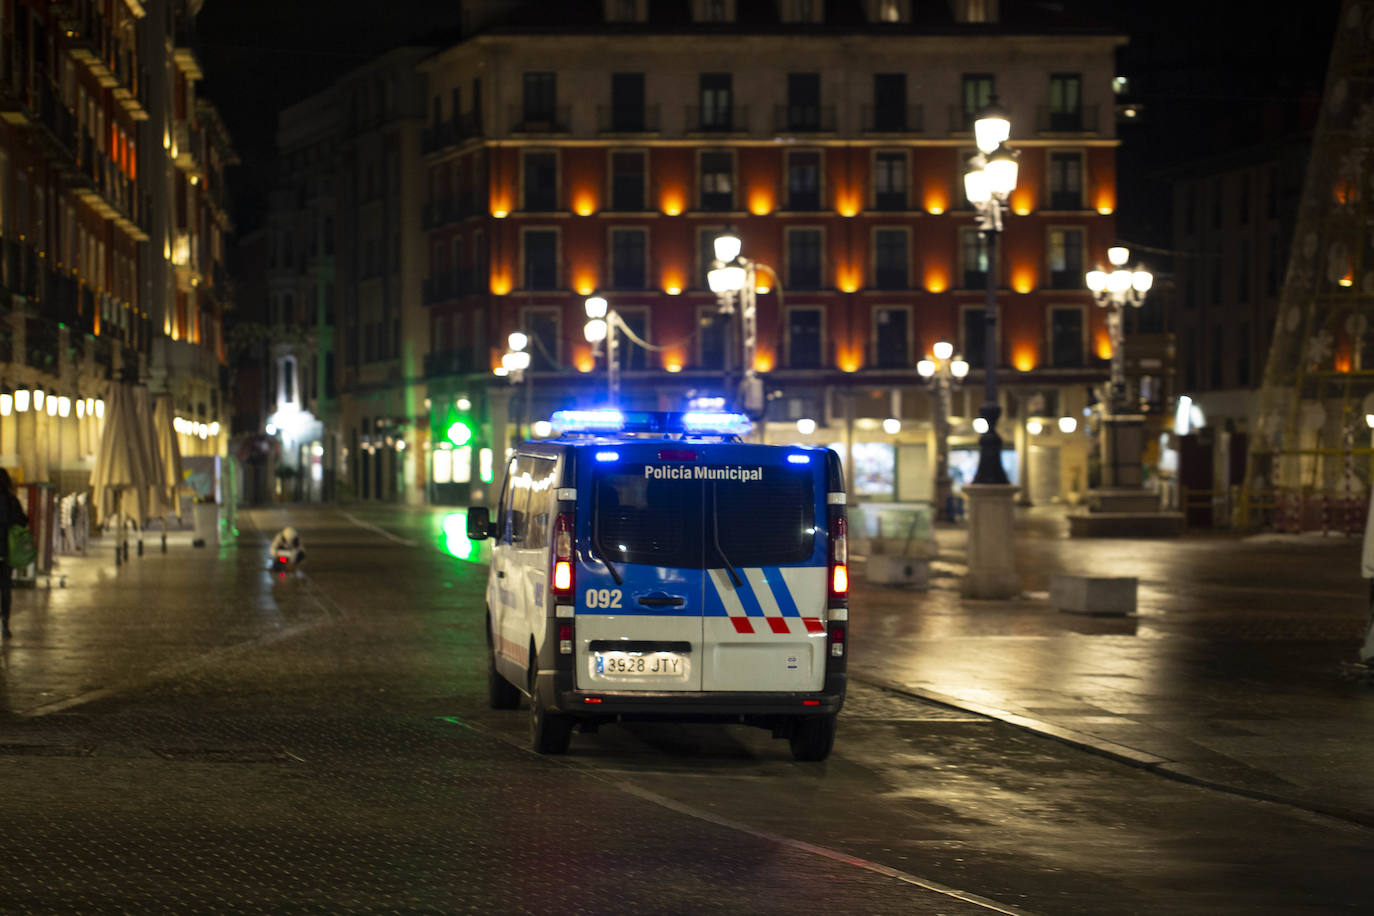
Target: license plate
{"x":639,"y":664}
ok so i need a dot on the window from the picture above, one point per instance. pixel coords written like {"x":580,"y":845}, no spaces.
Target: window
{"x":540,"y":98}
{"x":713,"y":10}
{"x":804,"y":338}
{"x":541,"y":182}
{"x":716,"y":102}
{"x":1216,"y":375}
{"x":1066,"y":101}
{"x":889,"y":181}
{"x":627,"y":101}
{"x":714,"y":337}
{"x":891,"y":330}
{"x":717,"y":181}
{"x":803,"y":259}
{"x":1066,"y":181}
{"x":1066,"y":338}
{"x":541,"y":326}
{"x":890,"y":258}
{"x":973,"y":11}
{"x":541,"y":258}
{"x":975,"y":335}
{"x":627,"y":182}
{"x":977,"y":95}
{"x":632,"y":355}
{"x":628,"y":269}
{"x":1066,"y":258}
{"x":973,"y":256}
{"x":889,"y":102}
{"x":1243,"y":354}
{"x":1243,"y":273}
{"x":803,"y":101}
{"x":804,"y":181}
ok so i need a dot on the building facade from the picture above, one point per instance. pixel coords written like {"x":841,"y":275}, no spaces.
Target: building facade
{"x":565,"y":158}
{"x":112,"y":215}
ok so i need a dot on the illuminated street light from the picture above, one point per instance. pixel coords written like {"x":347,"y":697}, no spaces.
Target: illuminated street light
{"x":944,"y":372}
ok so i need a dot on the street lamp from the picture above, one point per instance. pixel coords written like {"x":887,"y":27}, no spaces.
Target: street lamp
{"x":604,"y":324}
{"x":988,"y":183}
{"x":944,"y":373}
{"x":1122,"y":428}
{"x":1115,"y":290}
{"x":733,"y":276}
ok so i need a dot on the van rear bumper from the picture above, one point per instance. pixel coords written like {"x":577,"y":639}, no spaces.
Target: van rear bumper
{"x":555,"y":690}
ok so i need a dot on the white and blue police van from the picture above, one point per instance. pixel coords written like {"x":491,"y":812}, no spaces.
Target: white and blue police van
{"x":652,"y":565}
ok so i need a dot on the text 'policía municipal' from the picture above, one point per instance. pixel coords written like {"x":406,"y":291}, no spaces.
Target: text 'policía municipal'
{"x":679,"y":472}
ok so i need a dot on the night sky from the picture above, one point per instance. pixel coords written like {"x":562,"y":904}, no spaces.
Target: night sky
{"x":1213,"y":76}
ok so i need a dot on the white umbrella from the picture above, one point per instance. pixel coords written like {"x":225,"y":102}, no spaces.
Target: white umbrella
{"x":126,"y":460}
{"x":169,"y":453}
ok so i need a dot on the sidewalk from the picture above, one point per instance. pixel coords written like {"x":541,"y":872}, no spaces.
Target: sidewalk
{"x":115,"y":627}
{"x":1238,"y":670}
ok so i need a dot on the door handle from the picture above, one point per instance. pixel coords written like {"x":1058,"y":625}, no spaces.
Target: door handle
{"x":661,"y":600}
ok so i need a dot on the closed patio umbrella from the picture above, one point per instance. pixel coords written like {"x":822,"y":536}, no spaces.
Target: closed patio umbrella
{"x":126,"y":479}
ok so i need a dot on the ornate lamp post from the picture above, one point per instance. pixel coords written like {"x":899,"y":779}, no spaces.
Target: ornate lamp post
{"x":991,"y":537}
{"x":605,"y":324}
{"x":734,"y":277}
{"x":1122,"y":427}
{"x":988,"y":183}
{"x":944,"y":373}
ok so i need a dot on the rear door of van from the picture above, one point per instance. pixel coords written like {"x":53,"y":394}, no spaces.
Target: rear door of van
{"x":640,"y":579}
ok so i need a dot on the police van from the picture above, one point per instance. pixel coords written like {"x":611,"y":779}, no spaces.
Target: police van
{"x":652,"y":565}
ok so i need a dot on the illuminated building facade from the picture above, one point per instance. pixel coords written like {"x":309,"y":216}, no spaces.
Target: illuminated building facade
{"x":112,"y":219}
{"x":565,"y":158}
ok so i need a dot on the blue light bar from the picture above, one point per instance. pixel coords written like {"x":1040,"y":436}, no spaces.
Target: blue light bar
{"x":799,"y":459}
{"x":713,"y":423}
{"x":596,"y":420}
{"x":607,"y":456}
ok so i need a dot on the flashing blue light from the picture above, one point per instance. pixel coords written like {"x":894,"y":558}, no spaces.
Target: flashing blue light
{"x":602,"y":419}
{"x":712,"y":422}
{"x":799,"y":459}
{"x":607,"y":456}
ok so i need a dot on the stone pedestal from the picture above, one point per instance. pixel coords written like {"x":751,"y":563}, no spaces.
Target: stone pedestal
{"x":991,"y":542}
{"x":1123,"y":442}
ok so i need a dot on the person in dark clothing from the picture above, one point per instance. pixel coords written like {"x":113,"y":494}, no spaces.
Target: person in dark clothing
{"x":11,"y":514}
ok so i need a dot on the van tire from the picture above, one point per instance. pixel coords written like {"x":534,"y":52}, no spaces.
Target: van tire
{"x":550,"y":732}
{"x":812,"y":737}
{"x":501,"y":693}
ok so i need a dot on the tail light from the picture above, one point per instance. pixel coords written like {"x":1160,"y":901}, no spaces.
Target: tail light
{"x":563,"y":556}
{"x":839,"y":556}
{"x":565,"y":639}
{"x":837,"y":641}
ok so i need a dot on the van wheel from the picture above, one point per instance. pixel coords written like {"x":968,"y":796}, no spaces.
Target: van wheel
{"x":550,"y":732}
{"x":501,"y":693}
{"x":813,"y":737}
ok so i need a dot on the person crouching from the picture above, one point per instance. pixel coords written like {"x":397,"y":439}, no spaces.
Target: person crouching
{"x":287,"y":552}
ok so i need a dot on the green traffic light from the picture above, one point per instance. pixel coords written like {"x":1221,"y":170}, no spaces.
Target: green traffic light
{"x":460,"y":433}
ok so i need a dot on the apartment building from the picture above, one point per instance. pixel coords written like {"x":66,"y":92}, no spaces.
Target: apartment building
{"x":111,"y":222}
{"x":601,"y":152}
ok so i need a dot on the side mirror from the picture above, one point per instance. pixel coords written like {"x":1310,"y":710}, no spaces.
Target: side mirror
{"x":479,"y":523}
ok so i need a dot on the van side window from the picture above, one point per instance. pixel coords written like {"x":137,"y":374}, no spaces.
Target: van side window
{"x":504,"y":513}
{"x":539,"y":512}
{"x":521,"y":482}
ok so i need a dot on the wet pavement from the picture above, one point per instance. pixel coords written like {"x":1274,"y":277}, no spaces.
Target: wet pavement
{"x":191,"y":733}
{"x":1239,"y":669}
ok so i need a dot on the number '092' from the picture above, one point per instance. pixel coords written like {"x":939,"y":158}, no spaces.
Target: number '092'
{"x":603,"y":597}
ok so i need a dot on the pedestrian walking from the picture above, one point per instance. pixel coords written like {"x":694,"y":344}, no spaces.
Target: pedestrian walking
{"x":11,"y":514}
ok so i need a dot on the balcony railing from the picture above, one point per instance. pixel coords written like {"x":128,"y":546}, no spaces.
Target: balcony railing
{"x":1082,"y":121}
{"x":448,"y":362}
{"x":450,"y":132}
{"x":893,"y":119}
{"x":804,"y":118}
{"x":612,"y":119}
{"x":548,"y":121}
{"x":734,"y":119}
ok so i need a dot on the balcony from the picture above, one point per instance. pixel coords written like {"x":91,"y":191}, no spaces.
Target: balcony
{"x":731,"y":120}
{"x":893,"y":119}
{"x":804,"y":119}
{"x":448,"y":362}
{"x":620,"y":120}
{"x":88,"y":41}
{"x":184,"y":52}
{"x":184,"y":147}
{"x":545,"y":121}
{"x":450,"y":133}
{"x":130,"y":90}
{"x":1082,"y":121}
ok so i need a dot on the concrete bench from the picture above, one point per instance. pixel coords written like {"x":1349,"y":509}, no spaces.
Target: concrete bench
{"x":1093,"y":594}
